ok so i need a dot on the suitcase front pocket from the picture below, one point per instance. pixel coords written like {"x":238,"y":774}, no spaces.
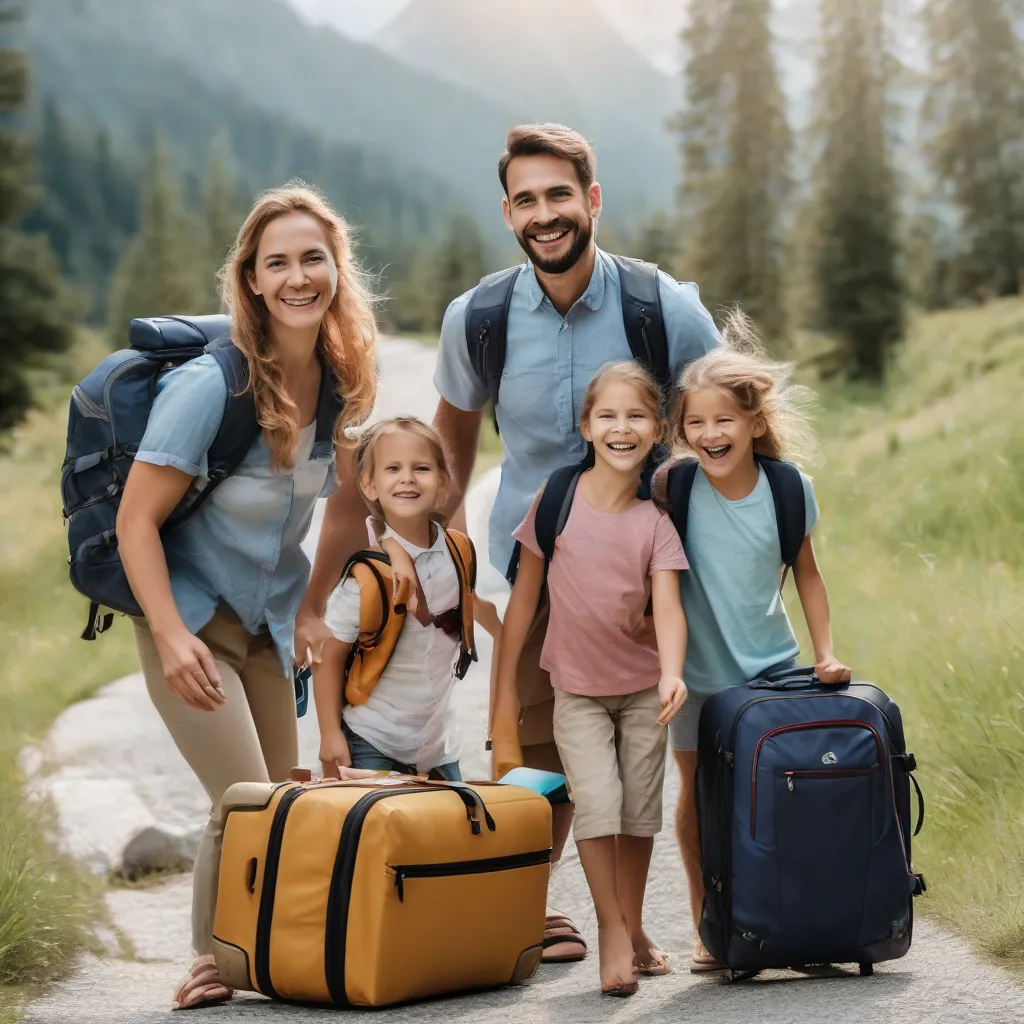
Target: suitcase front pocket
{"x":403,"y":872}
{"x":823,"y":838}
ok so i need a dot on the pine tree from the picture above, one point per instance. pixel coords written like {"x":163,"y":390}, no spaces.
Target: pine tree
{"x":223,"y":217}
{"x":460,"y":263}
{"x":161,"y":271}
{"x":859,"y":289}
{"x":736,"y":147}
{"x":976,"y":108}
{"x":35,"y":316}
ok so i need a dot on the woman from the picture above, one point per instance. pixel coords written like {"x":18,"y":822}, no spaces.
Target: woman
{"x":220,"y":593}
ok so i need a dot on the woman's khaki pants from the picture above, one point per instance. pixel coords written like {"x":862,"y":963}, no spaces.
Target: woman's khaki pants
{"x":252,"y":737}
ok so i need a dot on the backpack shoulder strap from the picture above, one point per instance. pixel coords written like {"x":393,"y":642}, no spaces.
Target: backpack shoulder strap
{"x":641,"y":316}
{"x":487,"y":328}
{"x":464,"y":556}
{"x":554,"y":507}
{"x":239,"y":427}
{"x":678,"y":488}
{"x":790,"y":509}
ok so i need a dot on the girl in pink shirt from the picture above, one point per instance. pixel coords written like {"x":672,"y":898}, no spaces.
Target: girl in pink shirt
{"x":615,"y":667}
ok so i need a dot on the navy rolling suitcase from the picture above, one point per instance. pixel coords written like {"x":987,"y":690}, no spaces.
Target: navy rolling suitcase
{"x":803,"y":795}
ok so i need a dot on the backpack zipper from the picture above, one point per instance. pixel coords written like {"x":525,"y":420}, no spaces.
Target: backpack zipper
{"x":87,"y":405}
{"x":466,"y":867}
{"x":839,"y":723}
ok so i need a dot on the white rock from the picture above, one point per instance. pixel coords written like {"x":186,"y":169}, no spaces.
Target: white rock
{"x":97,"y":818}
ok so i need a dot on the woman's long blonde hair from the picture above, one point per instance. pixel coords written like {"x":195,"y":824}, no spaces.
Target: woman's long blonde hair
{"x":348,"y":333}
{"x":760,"y":386}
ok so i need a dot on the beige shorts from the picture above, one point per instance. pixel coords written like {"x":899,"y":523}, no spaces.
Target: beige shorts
{"x":613,"y":751}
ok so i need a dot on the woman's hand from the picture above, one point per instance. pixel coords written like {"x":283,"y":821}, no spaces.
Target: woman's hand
{"x":311,"y":633}
{"x":189,"y":669}
{"x":671,"y":692}
{"x":831,"y":670}
{"x":334,"y":754}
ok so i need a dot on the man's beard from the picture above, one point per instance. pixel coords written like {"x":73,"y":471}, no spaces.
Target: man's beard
{"x":584,"y":233}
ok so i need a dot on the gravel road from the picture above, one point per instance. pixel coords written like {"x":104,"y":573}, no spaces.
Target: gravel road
{"x":939,"y":982}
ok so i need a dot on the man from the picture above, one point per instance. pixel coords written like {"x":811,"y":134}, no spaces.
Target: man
{"x":564,"y":322}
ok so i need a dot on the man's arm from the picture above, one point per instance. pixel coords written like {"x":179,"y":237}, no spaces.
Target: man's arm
{"x":460,"y":431}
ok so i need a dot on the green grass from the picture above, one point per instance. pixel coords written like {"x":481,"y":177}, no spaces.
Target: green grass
{"x":45,"y":905}
{"x":921,"y":541}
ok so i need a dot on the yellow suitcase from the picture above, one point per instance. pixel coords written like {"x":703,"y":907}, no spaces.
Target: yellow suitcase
{"x":380,"y":891}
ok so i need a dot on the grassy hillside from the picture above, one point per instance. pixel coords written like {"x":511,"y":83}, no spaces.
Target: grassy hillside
{"x":922,"y":544}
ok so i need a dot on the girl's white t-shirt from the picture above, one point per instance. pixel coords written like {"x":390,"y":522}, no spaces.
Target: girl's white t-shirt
{"x":409,"y":715}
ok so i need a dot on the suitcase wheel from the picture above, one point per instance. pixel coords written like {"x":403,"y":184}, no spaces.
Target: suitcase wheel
{"x":866,"y":970}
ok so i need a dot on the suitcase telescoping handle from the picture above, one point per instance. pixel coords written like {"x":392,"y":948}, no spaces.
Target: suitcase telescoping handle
{"x":795,"y":678}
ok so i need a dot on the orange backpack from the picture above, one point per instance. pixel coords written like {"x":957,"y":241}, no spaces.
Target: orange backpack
{"x":381,"y":618}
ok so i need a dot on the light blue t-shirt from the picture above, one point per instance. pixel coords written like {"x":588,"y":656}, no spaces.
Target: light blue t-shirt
{"x":550,"y":360}
{"x":243,"y":546}
{"x":737,"y":625}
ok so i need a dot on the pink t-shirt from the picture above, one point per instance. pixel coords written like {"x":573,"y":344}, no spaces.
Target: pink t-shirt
{"x":599,"y":643}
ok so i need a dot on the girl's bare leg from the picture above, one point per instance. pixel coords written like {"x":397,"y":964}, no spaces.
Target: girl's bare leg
{"x":615,"y":947}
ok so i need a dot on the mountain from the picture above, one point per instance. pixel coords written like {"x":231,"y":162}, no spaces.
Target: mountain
{"x":99,"y":98}
{"x":265,"y":54}
{"x":554,"y":60}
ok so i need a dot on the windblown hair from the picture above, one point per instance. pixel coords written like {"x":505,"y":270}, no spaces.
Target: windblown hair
{"x":348,"y":333}
{"x":760,"y":386}
{"x":628,"y":371}
{"x":364,"y":454}
{"x":549,"y":140}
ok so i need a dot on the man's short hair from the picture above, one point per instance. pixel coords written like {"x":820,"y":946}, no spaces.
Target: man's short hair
{"x":549,"y":140}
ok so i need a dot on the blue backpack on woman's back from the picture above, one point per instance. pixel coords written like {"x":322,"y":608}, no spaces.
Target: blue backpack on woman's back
{"x":106,"y":423}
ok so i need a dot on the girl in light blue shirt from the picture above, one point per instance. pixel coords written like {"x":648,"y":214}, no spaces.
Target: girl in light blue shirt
{"x":734,"y":407}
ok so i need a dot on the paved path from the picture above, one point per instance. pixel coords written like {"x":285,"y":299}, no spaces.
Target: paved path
{"x":116,"y":742}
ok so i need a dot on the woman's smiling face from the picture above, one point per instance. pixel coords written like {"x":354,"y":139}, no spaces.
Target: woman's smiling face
{"x":295,"y":271}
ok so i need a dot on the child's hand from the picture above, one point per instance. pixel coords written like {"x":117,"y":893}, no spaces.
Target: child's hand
{"x":671,"y":692}
{"x":831,"y":670}
{"x":334,"y":755}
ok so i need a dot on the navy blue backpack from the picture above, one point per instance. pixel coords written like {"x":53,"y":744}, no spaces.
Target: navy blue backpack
{"x":106,"y":423}
{"x":803,"y":796}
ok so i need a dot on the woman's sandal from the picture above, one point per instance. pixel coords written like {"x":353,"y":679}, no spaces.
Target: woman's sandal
{"x":657,"y":966}
{"x":202,"y":986}
{"x":559,"y":930}
{"x":550,"y":941}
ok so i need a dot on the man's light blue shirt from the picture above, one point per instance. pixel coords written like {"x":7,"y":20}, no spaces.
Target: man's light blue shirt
{"x":550,"y":360}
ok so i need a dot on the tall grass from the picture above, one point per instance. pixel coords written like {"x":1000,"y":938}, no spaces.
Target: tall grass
{"x":922,"y":544}
{"x":45,"y":906}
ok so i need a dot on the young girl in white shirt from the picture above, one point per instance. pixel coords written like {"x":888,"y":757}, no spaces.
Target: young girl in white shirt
{"x":407,"y":722}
